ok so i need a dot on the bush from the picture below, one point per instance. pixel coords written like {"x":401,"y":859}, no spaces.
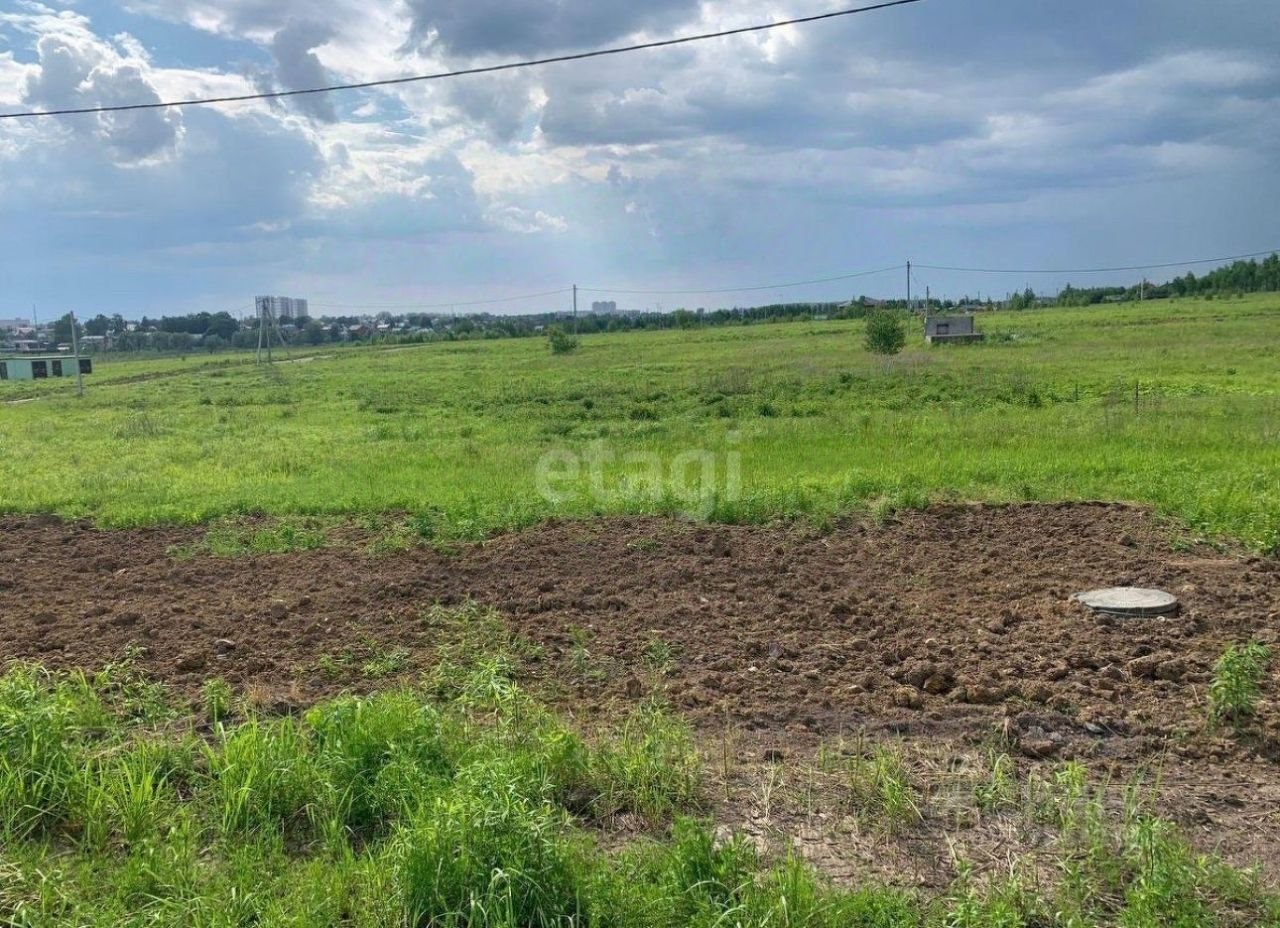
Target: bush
{"x":886,"y":332}
{"x":561,"y":341}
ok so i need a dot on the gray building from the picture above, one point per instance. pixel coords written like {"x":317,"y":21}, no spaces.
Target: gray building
{"x":12,"y":324}
{"x":604,"y":307}
{"x":281,"y":307}
{"x":943,"y":329}
{"x":42,"y":368}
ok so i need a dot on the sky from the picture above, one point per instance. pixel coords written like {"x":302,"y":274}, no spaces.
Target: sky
{"x":1023,"y":134}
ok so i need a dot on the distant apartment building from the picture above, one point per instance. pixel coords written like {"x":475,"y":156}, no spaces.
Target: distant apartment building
{"x":604,"y":307}
{"x":10,"y":325}
{"x":282,"y":307}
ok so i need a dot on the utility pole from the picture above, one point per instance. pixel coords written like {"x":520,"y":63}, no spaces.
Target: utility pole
{"x":75,"y":351}
{"x":575,"y":309}
{"x":908,"y":286}
{"x":261,"y":324}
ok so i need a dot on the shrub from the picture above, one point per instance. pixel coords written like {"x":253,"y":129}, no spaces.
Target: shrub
{"x":1237,"y":682}
{"x":561,"y":341}
{"x":886,"y":332}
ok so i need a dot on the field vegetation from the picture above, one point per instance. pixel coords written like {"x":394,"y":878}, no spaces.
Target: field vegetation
{"x":461,"y":801}
{"x":1174,"y":404}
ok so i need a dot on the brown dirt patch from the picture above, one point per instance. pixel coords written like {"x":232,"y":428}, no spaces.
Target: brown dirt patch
{"x":944,"y":630}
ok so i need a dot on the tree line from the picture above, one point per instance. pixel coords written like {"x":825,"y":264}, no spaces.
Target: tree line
{"x":221,"y":331}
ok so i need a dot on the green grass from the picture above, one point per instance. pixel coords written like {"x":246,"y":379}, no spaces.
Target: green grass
{"x":451,"y":435}
{"x":484,"y":810}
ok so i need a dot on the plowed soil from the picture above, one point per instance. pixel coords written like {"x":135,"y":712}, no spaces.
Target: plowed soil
{"x":949,"y":627}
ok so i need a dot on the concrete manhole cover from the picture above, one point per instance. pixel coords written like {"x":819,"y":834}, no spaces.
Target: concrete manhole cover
{"x":1129,"y":601}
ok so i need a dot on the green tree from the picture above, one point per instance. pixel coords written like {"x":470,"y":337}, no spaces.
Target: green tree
{"x":98,"y":325}
{"x":314,"y":333}
{"x":886,"y":332}
{"x":62,"y":330}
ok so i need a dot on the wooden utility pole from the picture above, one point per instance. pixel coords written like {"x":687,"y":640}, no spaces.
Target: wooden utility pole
{"x":575,"y":309}
{"x":75,"y":351}
{"x":908,"y":286}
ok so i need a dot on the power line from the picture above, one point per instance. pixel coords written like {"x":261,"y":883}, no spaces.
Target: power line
{"x":755,"y":288}
{"x":1093,"y":270}
{"x":752,"y":289}
{"x":488,"y":69}
{"x":452,"y":305}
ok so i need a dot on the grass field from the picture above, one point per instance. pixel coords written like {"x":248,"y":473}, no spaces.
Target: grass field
{"x":1172,"y":404}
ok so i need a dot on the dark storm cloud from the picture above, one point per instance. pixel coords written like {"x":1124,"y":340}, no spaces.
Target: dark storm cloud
{"x":530,"y":27}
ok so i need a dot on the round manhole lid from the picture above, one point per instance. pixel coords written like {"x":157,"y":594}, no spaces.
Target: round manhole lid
{"x":1129,"y":601}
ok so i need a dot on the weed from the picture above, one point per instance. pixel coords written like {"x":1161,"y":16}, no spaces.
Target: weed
{"x":659,"y":656}
{"x":1000,"y":789}
{"x":881,"y":786}
{"x":335,"y":666}
{"x":652,"y":768}
{"x":386,"y":664}
{"x":1237,"y":683}
{"x":217,"y":696}
{"x":581,"y":663}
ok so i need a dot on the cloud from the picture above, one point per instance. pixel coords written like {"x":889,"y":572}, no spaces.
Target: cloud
{"x":298,"y":68}
{"x":76,"y":68}
{"x":803,"y":149}
{"x":530,"y":27}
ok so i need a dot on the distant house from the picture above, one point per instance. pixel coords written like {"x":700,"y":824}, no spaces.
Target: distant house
{"x":946,"y":329}
{"x":41,"y":368}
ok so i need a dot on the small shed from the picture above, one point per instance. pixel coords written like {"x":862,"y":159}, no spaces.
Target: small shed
{"x":42,"y":367}
{"x":946,"y":329}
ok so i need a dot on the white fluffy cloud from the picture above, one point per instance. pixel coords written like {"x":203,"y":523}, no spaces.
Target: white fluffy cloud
{"x":77,"y":68}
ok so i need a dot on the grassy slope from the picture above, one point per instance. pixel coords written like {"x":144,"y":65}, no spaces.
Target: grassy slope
{"x":1044,"y":410}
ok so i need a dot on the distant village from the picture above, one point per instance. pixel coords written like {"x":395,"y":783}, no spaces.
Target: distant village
{"x":223,"y":331}
{"x":291,"y":317}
